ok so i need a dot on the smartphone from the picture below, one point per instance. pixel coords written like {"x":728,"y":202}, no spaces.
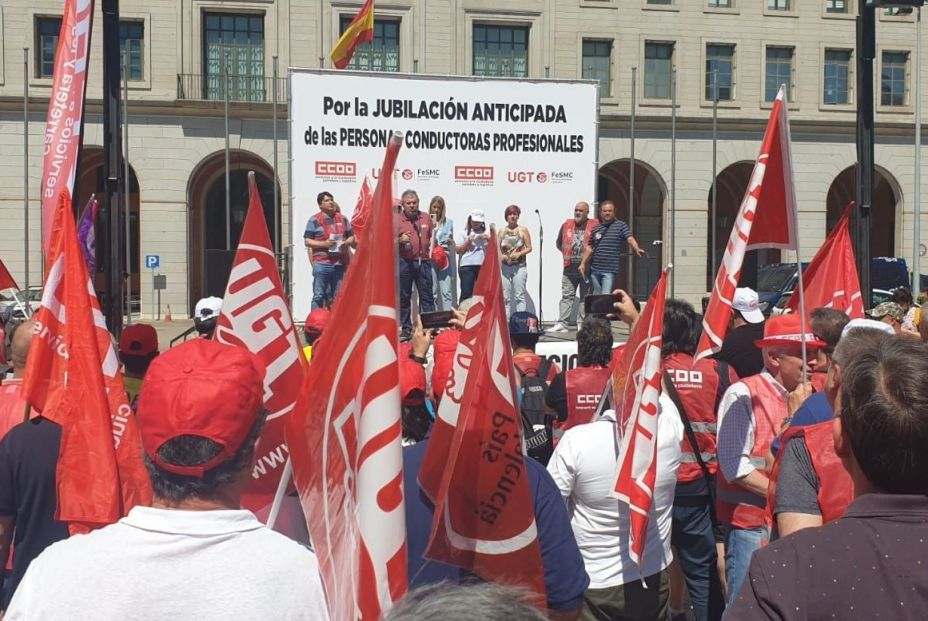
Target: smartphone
{"x":600,"y":305}
{"x":437,"y":319}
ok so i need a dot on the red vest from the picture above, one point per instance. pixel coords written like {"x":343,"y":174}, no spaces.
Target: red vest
{"x":567,"y":236}
{"x":835,"y":488}
{"x":337,"y":227}
{"x":585,"y":386}
{"x":697,"y":383}
{"x":736,"y":505}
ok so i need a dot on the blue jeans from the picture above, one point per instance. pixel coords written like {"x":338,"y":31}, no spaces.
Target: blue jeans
{"x":515,"y":278}
{"x":441,"y":289}
{"x":740,"y":544}
{"x":418,"y":272}
{"x":602,"y":281}
{"x":692,"y":536}
{"x":327,"y":278}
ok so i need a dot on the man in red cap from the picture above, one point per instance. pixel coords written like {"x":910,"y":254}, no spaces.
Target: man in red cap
{"x":138,"y":346}
{"x":751,"y":414}
{"x":312,"y":329}
{"x":194,"y":554}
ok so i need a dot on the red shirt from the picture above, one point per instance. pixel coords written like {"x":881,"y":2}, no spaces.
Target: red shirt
{"x":420,"y":235}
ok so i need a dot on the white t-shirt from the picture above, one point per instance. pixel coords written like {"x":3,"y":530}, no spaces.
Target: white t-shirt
{"x":161,"y":564}
{"x":477,"y":251}
{"x":584,"y":467}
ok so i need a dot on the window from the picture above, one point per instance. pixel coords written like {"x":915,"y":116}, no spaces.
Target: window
{"x":131,"y":43}
{"x":597,"y":64}
{"x":236,"y":42}
{"x":658,"y":63}
{"x":778,"y":5}
{"x":836,"y":80}
{"x":719,"y":4}
{"x":46,"y":43}
{"x":897,"y":11}
{"x":501,"y":51}
{"x":779,"y":71}
{"x":892,"y":78}
{"x":720,"y":62}
{"x":383,"y":52}
{"x":836,"y":6}
{"x":665,"y":2}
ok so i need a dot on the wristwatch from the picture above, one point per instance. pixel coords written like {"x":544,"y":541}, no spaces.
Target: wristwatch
{"x":419,"y":359}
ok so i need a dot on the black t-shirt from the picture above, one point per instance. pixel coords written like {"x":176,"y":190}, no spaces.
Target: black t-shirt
{"x":28,"y":458}
{"x":739,"y":350}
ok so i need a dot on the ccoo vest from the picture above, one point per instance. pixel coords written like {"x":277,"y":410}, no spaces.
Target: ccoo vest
{"x":737,"y":506}
{"x":339,"y":228}
{"x":569,"y":230}
{"x":585,"y":386}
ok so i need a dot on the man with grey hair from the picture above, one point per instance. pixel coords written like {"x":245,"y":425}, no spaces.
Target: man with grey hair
{"x":571,"y":241}
{"x":414,"y":235}
{"x":482,"y":601}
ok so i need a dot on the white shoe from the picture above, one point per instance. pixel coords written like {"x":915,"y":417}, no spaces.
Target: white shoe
{"x":558,"y":327}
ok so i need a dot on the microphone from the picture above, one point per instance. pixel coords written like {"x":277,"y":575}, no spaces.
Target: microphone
{"x":541,"y":229}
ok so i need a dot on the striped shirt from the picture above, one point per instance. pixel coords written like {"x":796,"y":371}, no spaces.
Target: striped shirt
{"x":607,"y":241}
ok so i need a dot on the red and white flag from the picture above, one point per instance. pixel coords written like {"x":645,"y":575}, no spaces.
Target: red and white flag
{"x":65,"y":109}
{"x":362,"y":210}
{"x":831,"y":279}
{"x":345,"y":435}
{"x":636,"y":386}
{"x":72,"y":377}
{"x":255,"y":316}
{"x":6,"y":279}
{"x":473,"y":468}
{"x":766,"y":219}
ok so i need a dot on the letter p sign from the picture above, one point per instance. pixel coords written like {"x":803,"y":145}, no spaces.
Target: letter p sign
{"x":152,"y":261}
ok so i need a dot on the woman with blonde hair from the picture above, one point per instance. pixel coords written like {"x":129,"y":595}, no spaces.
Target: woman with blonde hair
{"x":514,"y":243}
{"x":442,"y":237}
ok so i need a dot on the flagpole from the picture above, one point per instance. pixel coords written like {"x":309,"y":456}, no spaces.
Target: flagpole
{"x":275,"y":243}
{"x":917,"y":245}
{"x":228,"y":197}
{"x":631,"y":177}
{"x":26,"y":175}
{"x":715,"y":115}
{"x":125,"y":159}
{"x":673,"y":172}
{"x":285,"y":477}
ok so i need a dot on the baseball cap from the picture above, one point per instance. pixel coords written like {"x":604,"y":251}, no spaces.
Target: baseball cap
{"x":524,"y":322}
{"x":316,"y":320}
{"x":747,"y":303}
{"x":867,"y":324}
{"x":887,"y":309}
{"x":412,"y":379}
{"x":138,"y":339}
{"x":476,"y":215}
{"x":786,"y":330}
{"x":200,"y":388}
{"x":208,"y":307}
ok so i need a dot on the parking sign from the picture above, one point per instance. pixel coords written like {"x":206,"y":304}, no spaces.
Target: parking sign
{"x":152,"y":261}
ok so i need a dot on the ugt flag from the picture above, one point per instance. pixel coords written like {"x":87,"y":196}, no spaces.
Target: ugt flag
{"x":474,"y":466}
{"x":636,"y":390}
{"x":255,"y":316}
{"x":72,"y":377}
{"x":766,"y":219}
{"x":345,"y":433}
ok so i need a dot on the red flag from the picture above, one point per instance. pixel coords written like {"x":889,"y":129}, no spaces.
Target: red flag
{"x":65,"y":110}
{"x":72,"y":376}
{"x":345,"y":433}
{"x":831,"y":279}
{"x":255,"y":316}
{"x":636,"y":389}
{"x":766,"y":219}
{"x":473,"y":469}
{"x":6,"y":279}
{"x":362,"y":210}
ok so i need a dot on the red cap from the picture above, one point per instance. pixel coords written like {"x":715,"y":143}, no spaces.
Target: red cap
{"x":412,"y":378}
{"x":786,"y":330}
{"x":439,"y":257}
{"x":316,"y":320}
{"x":200,"y":388}
{"x":138,"y":339}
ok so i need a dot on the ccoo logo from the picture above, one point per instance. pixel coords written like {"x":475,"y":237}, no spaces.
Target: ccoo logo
{"x":336,"y":169}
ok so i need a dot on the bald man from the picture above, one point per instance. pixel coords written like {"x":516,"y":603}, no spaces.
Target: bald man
{"x":12,"y":407}
{"x":571,"y":241}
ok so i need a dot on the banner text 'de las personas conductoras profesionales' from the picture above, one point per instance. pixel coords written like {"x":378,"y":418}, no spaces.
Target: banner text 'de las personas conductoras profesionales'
{"x":479,"y":143}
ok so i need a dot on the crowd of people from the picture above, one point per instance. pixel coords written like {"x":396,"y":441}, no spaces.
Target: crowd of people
{"x":790,"y":480}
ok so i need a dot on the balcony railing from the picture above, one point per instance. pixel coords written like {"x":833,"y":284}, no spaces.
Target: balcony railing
{"x":242,"y":88}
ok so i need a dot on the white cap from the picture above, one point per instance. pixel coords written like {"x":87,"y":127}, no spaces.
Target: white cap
{"x":867,"y":324}
{"x":208,"y":307}
{"x":747,"y":303}
{"x":477,"y":216}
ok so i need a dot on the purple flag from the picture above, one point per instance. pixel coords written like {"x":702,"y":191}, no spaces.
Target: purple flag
{"x":86,"y":233}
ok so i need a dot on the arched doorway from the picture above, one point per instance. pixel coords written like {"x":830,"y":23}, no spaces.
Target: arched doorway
{"x":647,"y":225}
{"x":731,"y":185}
{"x":212,"y":244}
{"x":92,"y":183}
{"x":886,"y":201}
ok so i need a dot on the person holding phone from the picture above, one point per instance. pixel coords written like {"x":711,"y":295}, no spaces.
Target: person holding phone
{"x":443,"y":239}
{"x":514,"y":243}
{"x":471,"y":246}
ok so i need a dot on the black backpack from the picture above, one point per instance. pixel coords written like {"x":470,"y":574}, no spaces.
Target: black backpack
{"x":536,"y":420}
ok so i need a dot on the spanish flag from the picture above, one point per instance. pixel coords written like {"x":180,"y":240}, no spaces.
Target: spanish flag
{"x":360,"y":30}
